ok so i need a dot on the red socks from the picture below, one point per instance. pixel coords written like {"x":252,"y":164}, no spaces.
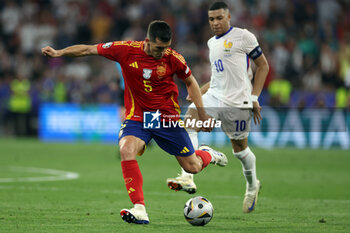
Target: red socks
{"x":133,"y":177}
{"x":133,"y":181}
{"x":205,"y":156}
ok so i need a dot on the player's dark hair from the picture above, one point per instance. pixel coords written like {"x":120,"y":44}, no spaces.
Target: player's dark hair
{"x":218,"y":6}
{"x":159,"y":29}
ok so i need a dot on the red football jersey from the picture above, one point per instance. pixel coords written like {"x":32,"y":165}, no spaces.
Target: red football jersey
{"x":149,"y":84}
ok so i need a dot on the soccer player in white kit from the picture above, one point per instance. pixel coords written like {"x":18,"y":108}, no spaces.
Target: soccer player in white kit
{"x":230,"y":96}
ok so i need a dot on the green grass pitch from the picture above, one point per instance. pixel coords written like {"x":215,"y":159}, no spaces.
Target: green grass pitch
{"x":303,"y":191}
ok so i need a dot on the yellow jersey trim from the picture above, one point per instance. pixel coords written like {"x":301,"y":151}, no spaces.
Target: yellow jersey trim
{"x":135,"y":44}
{"x":177,"y":107}
{"x":177,"y":55}
{"x":132,"y":110}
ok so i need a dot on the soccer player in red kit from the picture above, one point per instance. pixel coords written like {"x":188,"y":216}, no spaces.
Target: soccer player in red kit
{"x":150,"y":98}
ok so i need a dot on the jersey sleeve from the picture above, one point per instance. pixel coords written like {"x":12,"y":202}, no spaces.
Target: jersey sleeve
{"x":113,"y":50}
{"x":181,"y":69}
{"x":210,"y":41}
{"x":250,"y":45}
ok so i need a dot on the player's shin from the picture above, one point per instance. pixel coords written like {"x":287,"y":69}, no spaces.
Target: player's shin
{"x":247,"y":159}
{"x":133,"y":181}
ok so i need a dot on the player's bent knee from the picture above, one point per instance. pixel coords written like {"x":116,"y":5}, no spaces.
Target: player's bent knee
{"x":129,"y":147}
{"x":239,"y":145}
{"x":127,"y":153}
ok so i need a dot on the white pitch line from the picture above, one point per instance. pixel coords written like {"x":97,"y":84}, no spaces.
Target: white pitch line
{"x":54,"y":175}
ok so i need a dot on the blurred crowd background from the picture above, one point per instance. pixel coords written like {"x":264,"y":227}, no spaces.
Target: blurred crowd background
{"x":307,"y":44}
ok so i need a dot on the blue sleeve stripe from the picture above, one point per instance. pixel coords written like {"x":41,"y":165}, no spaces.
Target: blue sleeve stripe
{"x":255,"y":53}
{"x":247,"y":62}
{"x":119,"y":68}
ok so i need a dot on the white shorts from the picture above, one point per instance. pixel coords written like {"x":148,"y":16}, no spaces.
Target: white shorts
{"x":235,"y":122}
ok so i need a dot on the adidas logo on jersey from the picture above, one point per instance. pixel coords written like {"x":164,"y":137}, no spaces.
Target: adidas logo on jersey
{"x":134,"y":64}
{"x":184,"y":150}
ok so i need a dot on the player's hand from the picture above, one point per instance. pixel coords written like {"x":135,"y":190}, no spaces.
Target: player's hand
{"x":257,"y":112}
{"x":49,"y":52}
{"x":206,"y":118}
{"x":188,"y":98}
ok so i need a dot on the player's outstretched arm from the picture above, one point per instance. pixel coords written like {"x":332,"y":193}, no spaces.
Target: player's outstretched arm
{"x":71,"y":51}
{"x":203,"y":89}
{"x":194,"y":93}
{"x":260,"y":76}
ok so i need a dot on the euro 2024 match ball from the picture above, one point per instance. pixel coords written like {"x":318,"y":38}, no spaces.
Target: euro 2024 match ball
{"x":198,"y":211}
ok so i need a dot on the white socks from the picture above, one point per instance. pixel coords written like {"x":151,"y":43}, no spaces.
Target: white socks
{"x":194,"y":139}
{"x":140,"y":207}
{"x":186,"y":174}
{"x":247,"y":159}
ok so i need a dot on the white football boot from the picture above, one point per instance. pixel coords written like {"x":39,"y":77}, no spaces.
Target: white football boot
{"x":135,"y":215}
{"x":186,"y":183}
{"x":182,"y":183}
{"x":218,"y":158}
{"x":251,"y":198}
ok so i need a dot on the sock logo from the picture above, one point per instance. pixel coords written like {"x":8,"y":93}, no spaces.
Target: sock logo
{"x":127,"y":180}
{"x":130,"y":190}
{"x":245,"y":156}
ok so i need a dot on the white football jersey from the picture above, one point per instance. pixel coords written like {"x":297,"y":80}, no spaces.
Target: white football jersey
{"x":228,"y":54}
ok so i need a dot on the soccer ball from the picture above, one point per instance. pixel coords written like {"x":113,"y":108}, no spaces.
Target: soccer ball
{"x":198,"y":211}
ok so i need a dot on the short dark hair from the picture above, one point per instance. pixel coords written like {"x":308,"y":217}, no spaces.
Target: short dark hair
{"x":218,"y":6}
{"x":159,"y":29}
